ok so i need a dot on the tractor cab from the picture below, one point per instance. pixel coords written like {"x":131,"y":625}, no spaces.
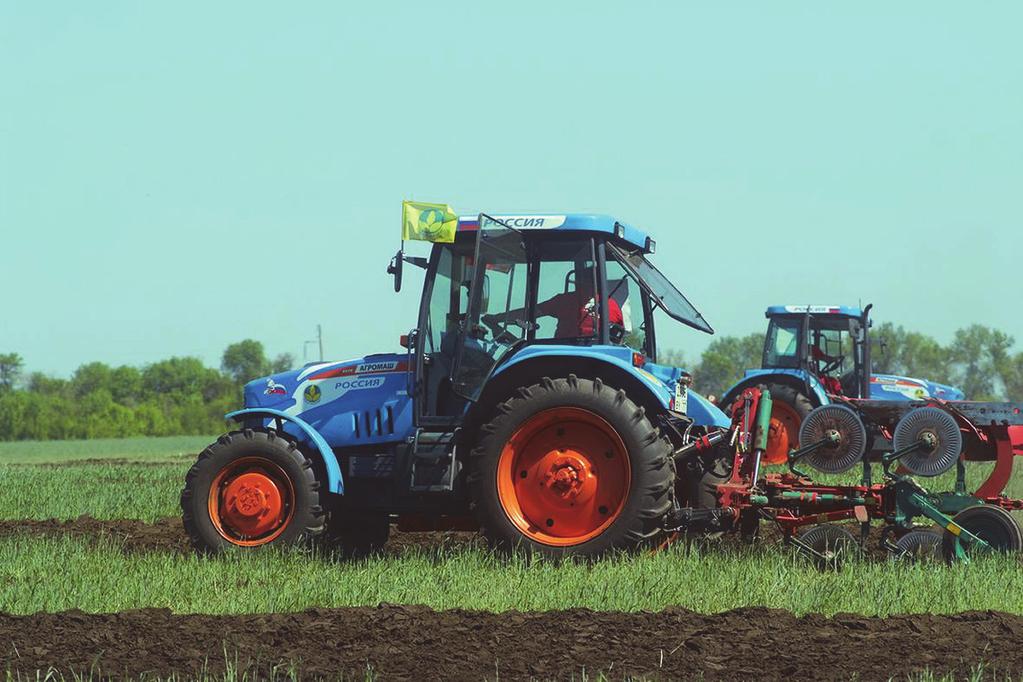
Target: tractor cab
{"x":552,"y":288}
{"x":828,"y":342}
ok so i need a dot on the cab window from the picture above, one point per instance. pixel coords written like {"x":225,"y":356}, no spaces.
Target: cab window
{"x":565,"y":303}
{"x":781,"y":346}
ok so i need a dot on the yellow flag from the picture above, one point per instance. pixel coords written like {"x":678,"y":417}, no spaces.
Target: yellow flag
{"x":428,"y":222}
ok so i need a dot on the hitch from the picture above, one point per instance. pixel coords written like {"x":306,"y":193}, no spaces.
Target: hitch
{"x":687,"y":519}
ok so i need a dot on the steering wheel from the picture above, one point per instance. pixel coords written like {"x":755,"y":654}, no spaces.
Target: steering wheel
{"x":499,"y":334}
{"x":833,"y":365}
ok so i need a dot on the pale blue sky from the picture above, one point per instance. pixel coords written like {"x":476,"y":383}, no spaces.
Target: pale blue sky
{"x":179,"y":176}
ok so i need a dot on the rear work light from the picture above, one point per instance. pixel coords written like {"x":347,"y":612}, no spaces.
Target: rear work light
{"x":638,"y":359}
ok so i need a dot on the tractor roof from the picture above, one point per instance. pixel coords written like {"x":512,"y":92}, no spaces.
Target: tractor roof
{"x":566,"y":222}
{"x":840,"y":310}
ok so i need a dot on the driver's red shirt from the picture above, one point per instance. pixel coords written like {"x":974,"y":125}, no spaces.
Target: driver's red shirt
{"x":576,"y":316}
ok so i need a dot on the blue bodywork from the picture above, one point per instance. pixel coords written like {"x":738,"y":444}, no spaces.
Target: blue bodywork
{"x":367,"y":402}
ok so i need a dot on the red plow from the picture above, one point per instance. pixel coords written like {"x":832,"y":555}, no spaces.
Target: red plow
{"x":905,"y":440}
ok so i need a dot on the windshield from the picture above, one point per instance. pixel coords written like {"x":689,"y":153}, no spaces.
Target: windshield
{"x":781,"y":346}
{"x":661,"y":290}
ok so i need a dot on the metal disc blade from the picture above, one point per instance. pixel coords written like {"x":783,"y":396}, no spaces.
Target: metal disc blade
{"x":834,"y":458}
{"x":940,"y":429}
{"x":919,"y":545}
{"x":832,"y":542}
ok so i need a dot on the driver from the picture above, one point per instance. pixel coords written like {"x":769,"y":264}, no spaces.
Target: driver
{"x":575,"y":311}
{"x":826,"y":363}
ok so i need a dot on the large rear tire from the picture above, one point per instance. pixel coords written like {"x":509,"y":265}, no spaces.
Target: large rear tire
{"x":789,"y":408}
{"x":251,"y":489}
{"x":570,"y":467}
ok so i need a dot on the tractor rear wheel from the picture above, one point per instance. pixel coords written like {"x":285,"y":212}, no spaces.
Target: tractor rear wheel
{"x":570,"y":467}
{"x":788,"y":409}
{"x":251,"y":489}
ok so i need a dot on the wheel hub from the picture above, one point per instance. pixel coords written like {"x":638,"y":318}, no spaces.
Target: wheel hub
{"x":252,"y":504}
{"x":567,"y":476}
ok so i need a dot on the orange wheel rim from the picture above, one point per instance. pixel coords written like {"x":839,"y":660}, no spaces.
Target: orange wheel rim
{"x":783,"y":433}
{"x":251,"y":501}
{"x":564,"y":476}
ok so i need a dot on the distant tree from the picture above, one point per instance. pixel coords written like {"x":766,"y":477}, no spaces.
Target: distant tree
{"x":126,"y":385}
{"x":11,"y":365}
{"x":1010,"y":371}
{"x":672,"y":357}
{"x":244,"y":361}
{"x":912,"y":354}
{"x":282,"y":363}
{"x":977,"y":353}
{"x":725,"y":361}
{"x":91,"y":377}
{"x":46,"y":385}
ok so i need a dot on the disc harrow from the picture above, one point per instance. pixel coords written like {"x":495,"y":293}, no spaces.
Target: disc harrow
{"x":905,"y":440}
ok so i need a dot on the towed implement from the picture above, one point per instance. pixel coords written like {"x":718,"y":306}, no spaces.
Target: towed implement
{"x":926,"y":438}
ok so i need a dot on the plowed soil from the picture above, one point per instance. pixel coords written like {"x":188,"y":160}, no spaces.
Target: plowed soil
{"x":168,"y":535}
{"x":412,"y":642}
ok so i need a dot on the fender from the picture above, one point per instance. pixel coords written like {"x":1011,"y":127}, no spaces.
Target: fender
{"x":620,"y":358}
{"x":335,"y":483}
{"x":755,"y":376}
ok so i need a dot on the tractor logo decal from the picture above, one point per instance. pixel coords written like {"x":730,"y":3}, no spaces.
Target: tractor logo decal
{"x":312,"y":393}
{"x":273,"y":388}
{"x":383,"y":367}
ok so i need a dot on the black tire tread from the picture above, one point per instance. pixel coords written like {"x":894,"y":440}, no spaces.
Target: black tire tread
{"x":315,"y":516}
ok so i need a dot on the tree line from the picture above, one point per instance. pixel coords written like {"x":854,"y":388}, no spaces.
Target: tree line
{"x":181,"y":396}
{"x":177,"y":396}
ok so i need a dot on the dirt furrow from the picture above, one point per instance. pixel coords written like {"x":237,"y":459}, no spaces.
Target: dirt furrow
{"x":412,"y":642}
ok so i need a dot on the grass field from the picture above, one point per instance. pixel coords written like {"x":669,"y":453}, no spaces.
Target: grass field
{"x":142,"y":480}
{"x":136,"y":449}
{"x":100,"y":577}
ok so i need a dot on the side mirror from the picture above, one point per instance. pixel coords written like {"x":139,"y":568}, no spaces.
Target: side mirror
{"x":395,"y":268}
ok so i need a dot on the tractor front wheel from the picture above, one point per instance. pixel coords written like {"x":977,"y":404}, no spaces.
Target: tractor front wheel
{"x":251,"y":489}
{"x":570,"y":467}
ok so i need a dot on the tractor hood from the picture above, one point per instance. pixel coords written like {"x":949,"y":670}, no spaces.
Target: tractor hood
{"x":296,"y":390}
{"x":893,"y":387}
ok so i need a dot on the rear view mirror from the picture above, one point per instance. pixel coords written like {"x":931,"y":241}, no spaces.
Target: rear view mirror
{"x":395,"y":268}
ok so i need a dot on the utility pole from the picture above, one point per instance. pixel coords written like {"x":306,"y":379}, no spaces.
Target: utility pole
{"x":318,"y":341}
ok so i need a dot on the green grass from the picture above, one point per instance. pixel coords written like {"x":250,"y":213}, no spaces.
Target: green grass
{"x":118,"y":490}
{"x":140,"y":449}
{"x":99,"y":577}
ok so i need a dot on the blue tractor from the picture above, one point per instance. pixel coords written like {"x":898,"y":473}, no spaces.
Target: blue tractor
{"x":814,"y":354}
{"x":528,"y":403}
